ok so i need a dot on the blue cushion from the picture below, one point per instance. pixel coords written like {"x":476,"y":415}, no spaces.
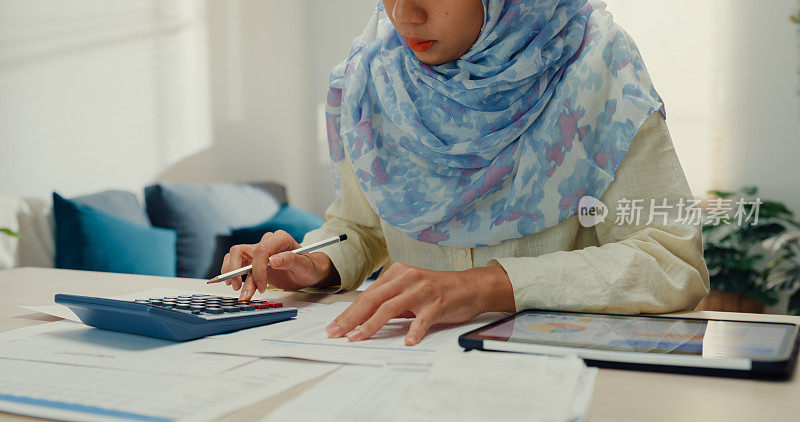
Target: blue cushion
{"x":118,"y":203}
{"x":203,"y":216}
{"x":92,"y":240}
{"x":293,"y":220}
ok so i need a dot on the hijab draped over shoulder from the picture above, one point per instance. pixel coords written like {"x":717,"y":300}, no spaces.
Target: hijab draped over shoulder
{"x":501,"y":143}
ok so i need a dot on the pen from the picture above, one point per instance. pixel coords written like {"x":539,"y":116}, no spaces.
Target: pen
{"x":305,"y":249}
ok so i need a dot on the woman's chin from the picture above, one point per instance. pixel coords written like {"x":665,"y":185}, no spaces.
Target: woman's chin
{"x":430,"y":59}
{"x":435,"y":57}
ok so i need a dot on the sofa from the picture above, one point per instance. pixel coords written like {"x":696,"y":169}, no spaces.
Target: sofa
{"x":169,"y":229}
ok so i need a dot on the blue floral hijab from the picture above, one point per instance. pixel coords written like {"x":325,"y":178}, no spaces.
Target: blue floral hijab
{"x":501,"y":143}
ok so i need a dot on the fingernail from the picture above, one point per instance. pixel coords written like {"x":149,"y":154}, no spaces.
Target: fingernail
{"x":334,"y":331}
{"x":411,"y":341}
{"x":355,"y":335}
{"x":276,"y":260}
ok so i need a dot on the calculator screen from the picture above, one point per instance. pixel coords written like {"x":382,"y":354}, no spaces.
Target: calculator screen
{"x":707,"y":338}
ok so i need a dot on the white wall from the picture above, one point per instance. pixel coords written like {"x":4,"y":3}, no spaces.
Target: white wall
{"x":97,"y":94}
{"x":762,"y":141}
{"x":270,"y":61}
{"x":333,"y":25}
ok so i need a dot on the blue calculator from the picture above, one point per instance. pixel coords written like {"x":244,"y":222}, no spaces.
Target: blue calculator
{"x":179,"y":318}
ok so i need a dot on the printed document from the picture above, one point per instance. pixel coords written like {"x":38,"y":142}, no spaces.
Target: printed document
{"x":82,"y":393}
{"x":482,"y":386}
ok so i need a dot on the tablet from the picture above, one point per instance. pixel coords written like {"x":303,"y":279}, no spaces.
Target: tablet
{"x":670,"y":344}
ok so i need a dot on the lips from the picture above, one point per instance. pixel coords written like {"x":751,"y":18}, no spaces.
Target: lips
{"x":419,"y":44}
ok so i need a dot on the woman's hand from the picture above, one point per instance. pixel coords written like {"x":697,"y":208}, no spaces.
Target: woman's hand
{"x":430,"y":297}
{"x":286,"y":270}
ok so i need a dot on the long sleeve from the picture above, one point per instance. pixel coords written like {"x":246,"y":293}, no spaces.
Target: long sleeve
{"x":638,"y":267}
{"x":365,"y":249}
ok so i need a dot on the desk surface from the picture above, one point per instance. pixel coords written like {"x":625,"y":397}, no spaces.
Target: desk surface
{"x":619,"y":395}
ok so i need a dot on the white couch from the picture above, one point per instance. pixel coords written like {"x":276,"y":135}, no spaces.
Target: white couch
{"x":33,"y":219}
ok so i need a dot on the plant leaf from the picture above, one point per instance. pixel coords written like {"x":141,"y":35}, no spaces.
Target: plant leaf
{"x":720,"y":194}
{"x":750,"y":190}
{"x":9,"y":232}
{"x":794,"y":303}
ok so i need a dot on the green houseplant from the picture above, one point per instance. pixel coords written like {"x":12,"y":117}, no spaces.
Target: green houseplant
{"x":753,"y":261}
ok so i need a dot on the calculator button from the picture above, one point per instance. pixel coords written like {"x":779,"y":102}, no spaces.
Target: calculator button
{"x":185,"y":297}
{"x":181,"y":306}
{"x":231,"y":308}
{"x":261,"y":305}
{"x":245,"y":307}
{"x":196,"y":308}
{"x":215,"y":311}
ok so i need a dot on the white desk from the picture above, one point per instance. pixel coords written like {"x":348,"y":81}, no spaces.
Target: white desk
{"x":619,"y":395}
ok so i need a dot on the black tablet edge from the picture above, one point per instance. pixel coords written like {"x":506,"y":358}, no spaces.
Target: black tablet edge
{"x":770,"y":370}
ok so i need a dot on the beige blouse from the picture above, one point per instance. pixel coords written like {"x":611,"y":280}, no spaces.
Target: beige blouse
{"x":615,"y":266}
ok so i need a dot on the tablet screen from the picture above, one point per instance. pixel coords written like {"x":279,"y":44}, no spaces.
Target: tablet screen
{"x":761,"y":341}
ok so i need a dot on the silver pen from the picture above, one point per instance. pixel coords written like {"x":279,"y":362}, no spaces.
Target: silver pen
{"x":305,"y":249}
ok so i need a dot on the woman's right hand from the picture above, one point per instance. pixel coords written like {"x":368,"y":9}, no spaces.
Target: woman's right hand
{"x":286,"y":270}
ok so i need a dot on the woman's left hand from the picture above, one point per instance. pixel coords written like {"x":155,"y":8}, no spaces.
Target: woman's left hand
{"x":430,"y":297}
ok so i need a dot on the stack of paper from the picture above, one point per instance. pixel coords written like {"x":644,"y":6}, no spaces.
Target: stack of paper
{"x":481,"y":386}
{"x":474,"y":386}
{"x":353,"y":393}
{"x":82,"y":393}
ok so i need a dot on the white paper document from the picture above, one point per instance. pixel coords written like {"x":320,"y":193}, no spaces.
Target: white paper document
{"x":305,"y":337}
{"x":80,"y":393}
{"x":76,"y":344}
{"x":483,"y":386}
{"x":353,"y":393}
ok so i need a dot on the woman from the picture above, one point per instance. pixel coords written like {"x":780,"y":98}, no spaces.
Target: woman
{"x":464,"y":134}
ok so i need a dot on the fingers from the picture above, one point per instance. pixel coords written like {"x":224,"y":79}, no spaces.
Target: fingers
{"x":419,"y":326}
{"x":390,"y":309}
{"x":234,"y":262}
{"x":271,"y":244}
{"x":248,"y":290}
{"x":287,"y":260}
{"x":362,"y":308}
{"x":225,"y":266}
